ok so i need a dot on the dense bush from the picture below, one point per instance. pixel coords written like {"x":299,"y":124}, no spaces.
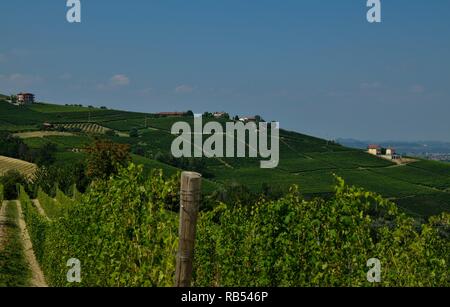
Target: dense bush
{"x":10,"y":181}
{"x":13,"y":147}
{"x":60,"y":176}
{"x":105,"y":158}
{"x":45,"y":155}
{"x":124,"y":236}
{"x":1,"y":194}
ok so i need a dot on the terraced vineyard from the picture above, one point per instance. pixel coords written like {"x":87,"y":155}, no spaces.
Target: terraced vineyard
{"x":25,"y":168}
{"x":90,"y":128}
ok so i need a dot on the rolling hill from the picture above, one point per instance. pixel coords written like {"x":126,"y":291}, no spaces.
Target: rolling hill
{"x":421,"y":188}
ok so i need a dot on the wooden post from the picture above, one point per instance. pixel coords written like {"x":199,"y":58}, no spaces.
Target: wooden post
{"x":190,"y":193}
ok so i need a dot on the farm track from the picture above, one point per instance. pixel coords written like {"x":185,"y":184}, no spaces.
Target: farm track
{"x":41,"y":134}
{"x":37,"y":277}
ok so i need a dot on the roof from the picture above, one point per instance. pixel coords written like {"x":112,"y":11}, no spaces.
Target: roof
{"x":373,"y":146}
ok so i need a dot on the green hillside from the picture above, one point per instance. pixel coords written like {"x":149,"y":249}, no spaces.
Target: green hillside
{"x":421,"y":188}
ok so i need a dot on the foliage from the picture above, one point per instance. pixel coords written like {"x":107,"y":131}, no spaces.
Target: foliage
{"x":10,"y":181}
{"x":2,"y":196}
{"x":62,"y":177}
{"x":52,"y":208}
{"x":105,"y":158}
{"x":38,"y":228}
{"x":124,"y":236}
{"x":14,"y":271}
{"x":294,"y":242}
{"x":120,"y":231}
{"x":45,"y":155}
{"x":13,"y":147}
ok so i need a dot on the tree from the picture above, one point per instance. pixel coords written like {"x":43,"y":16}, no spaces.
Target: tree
{"x":190,"y":113}
{"x":236,"y":118}
{"x":10,"y":181}
{"x":207,"y":115}
{"x":63,"y":176}
{"x":105,"y":158}
{"x":46,"y":155}
{"x":134,"y":133}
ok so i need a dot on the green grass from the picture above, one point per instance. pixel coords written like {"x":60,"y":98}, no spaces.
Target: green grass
{"x":14,"y":271}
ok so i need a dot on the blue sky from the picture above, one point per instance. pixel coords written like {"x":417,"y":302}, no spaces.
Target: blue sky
{"x":316,"y":66}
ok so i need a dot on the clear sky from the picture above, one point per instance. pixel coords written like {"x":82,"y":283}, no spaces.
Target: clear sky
{"x":316,"y":66}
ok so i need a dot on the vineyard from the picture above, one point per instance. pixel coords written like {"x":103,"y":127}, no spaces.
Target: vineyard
{"x":25,"y":168}
{"x":420,"y":188}
{"x":90,"y":128}
{"x":124,"y":235}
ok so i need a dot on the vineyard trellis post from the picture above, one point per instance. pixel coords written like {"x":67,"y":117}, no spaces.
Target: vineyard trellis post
{"x":190,"y":194}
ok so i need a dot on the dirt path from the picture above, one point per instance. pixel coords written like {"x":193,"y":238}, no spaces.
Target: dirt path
{"x":39,"y":208}
{"x":37,"y":278}
{"x":2,"y":223}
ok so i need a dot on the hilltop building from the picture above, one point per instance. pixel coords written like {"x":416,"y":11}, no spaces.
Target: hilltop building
{"x":385,"y":153}
{"x":374,"y":150}
{"x":25,"y":98}
{"x":219,"y":114}
{"x":247,"y":119}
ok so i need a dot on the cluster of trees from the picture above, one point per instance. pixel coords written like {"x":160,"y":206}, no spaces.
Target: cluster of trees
{"x":15,"y":148}
{"x":104,"y":159}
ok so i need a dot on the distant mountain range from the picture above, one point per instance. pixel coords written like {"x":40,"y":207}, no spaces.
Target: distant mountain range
{"x":430,"y":149}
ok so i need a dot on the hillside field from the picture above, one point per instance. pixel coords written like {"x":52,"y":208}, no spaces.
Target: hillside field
{"x":421,"y":188}
{"x":23,"y":167}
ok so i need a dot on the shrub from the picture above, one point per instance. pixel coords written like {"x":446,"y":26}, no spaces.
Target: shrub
{"x":105,"y":158}
{"x":10,"y":181}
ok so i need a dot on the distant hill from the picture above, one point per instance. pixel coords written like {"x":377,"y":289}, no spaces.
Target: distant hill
{"x":421,"y":188}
